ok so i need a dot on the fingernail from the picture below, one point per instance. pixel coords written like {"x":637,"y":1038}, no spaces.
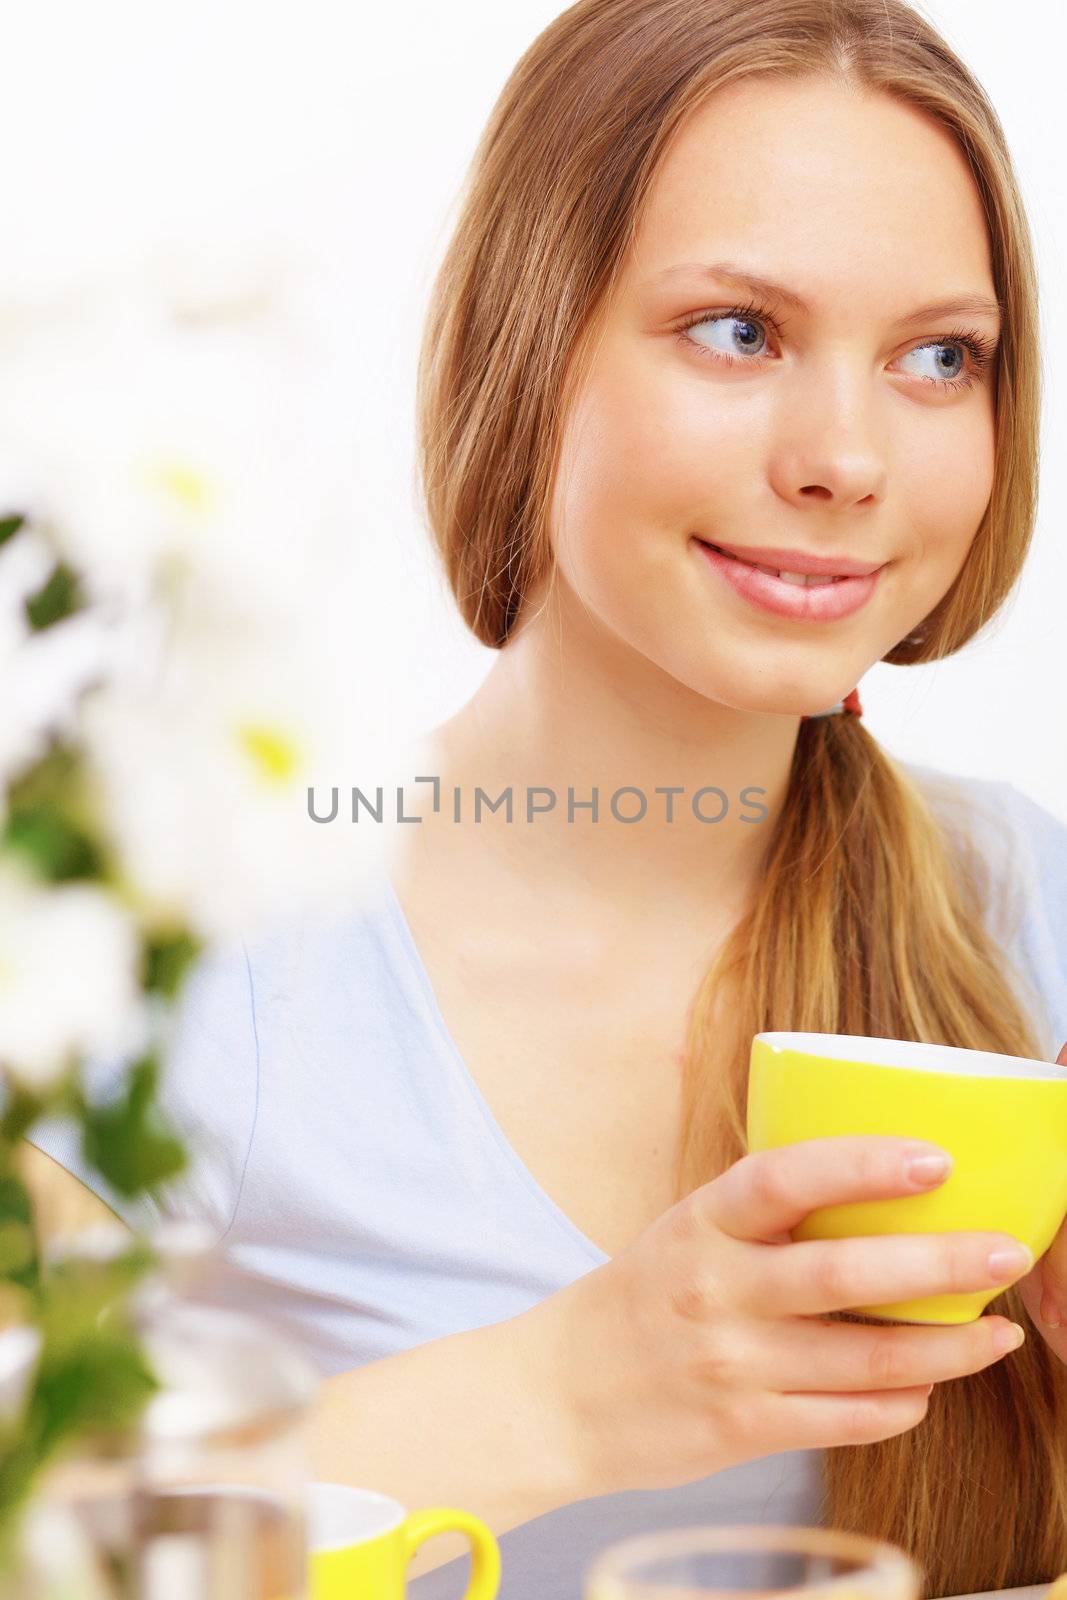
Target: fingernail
{"x":1010,"y":1262}
{"x":1009,"y":1339}
{"x":927,"y":1169}
{"x":1050,"y":1315}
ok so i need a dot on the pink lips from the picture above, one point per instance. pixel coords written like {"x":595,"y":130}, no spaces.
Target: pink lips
{"x":765,"y":555}
{"x":826,"y":602}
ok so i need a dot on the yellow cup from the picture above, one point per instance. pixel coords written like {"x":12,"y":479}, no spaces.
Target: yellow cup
{"x":1002,"y":1118}
{"x":360,"y":1543}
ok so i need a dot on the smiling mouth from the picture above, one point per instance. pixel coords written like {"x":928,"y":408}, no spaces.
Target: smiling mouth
{"x":794,"y":596}
{"x":802,"y":580}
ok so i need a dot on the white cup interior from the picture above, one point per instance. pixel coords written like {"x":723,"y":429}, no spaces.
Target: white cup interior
{"x":914,"y":1054}
{"x":338,"y":1515}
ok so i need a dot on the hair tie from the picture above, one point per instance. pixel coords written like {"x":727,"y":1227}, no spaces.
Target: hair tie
{"x":851,"y":703}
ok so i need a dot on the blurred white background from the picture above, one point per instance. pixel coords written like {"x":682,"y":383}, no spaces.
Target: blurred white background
{"x":350,"y":128}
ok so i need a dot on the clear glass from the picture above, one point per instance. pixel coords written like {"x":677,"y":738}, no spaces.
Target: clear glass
{"x":205,"y":1500}
{"x":720,"y":1563}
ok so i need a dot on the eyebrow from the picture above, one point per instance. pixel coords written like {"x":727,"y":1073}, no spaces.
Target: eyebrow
{"x":948,"y":306}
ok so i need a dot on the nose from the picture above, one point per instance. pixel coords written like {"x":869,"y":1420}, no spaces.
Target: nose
{"x":830,"y":445}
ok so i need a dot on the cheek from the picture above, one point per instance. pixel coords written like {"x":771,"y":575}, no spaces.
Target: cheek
{"x":949,"y":478}
{"x":647,"y":462}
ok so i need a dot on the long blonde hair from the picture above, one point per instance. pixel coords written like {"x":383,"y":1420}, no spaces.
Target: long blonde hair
{"x":869,"y":917}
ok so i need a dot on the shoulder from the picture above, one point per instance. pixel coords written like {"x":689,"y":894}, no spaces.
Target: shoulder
{"x":63,"y":1206}
{"x":1017,"y":849}
{"x":993,"y":816}
{"x":206,"y":1093}
{"x":258,"y":1013}
{"x":258,"y":1020}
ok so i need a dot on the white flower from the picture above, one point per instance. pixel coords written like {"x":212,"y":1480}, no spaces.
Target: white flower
{"x":20,"y":1347}
{"x":25,"y":563}
{"x":169,"y":429}
{"x":42,"y":673}
{"x":58,"y":1554}
{"x":69,"y":959}
{"x":157,"y":425}
{"x":204,"y":764}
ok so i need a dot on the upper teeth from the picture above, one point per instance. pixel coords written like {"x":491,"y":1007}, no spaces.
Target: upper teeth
{"x":796,"y":577}
{"x":805,"y":579}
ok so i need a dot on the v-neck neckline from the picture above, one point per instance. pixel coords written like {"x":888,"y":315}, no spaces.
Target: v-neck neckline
{"x":466,"y":1077}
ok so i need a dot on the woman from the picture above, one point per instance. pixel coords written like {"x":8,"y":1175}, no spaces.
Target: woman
{"x":543,"y":1278}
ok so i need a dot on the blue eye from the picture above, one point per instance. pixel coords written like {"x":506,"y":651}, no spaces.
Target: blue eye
{"x":955,"y":353}
{"x":740,"y":333}
{"x":740,"y":338}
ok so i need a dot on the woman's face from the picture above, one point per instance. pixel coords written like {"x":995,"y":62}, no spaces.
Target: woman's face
{"x":843,"y":422}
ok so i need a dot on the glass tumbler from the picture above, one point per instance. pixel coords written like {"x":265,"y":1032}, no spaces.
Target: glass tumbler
{"x":705,"y":1563}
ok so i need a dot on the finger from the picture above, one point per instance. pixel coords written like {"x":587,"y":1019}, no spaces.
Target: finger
{"x":769,"y":1192}
{"x":825,"y":1420}
{"x":833,"y":1356}
{"x":815,"y":1276}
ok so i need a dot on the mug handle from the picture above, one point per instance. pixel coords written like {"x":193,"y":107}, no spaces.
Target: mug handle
{"x":485,"y":1552}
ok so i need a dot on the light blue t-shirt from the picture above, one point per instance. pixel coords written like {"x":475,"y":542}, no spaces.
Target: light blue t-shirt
{"x":367,"y":1200}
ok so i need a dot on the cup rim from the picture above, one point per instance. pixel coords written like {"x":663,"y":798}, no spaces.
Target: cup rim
{"x":945,"y":1060}
{"x":338,"y":1496}
{"x":880,"y":1560}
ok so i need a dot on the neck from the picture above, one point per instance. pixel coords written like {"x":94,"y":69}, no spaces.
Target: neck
{"x":568,"y":706}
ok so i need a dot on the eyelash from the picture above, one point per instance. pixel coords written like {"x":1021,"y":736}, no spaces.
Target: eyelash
{"x":980,"y":347}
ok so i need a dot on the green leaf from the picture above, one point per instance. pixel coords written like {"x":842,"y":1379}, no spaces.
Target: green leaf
{"x":60,"y":596}
{"x":103,"y":1383}
{"x":18,"y":1252}
{"x":127,"y":1140}
{"x":98,"y":1385}
{"x":21,"y":1109}
{"x":78,"y":1291}
{"x":51,"y":819}
{"x":60,"y":768}
{"x":17,"y":1249}
{"x":56,"y":848}
{"x":167,"y":958}
{"x":9,"y":526}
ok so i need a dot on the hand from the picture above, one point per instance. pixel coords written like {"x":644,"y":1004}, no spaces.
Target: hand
{"x":1044,"y":1289}
{"x":704,"y":1343}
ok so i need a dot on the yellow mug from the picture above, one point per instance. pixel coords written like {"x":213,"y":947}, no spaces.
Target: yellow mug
{"x":360,"y":1543}
{"x":1003,"y":1119}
